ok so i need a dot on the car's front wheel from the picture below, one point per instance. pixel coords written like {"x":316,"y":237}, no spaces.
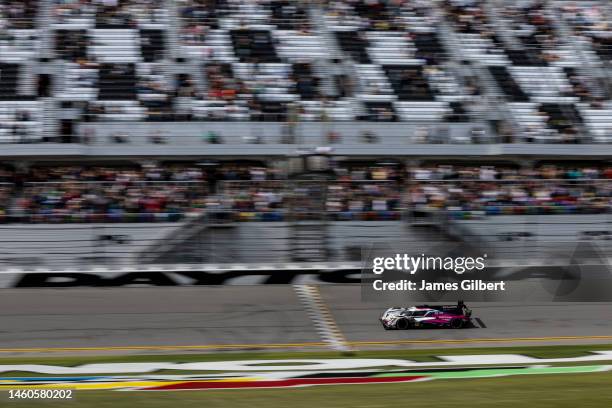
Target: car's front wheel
{"x":403,"y":324}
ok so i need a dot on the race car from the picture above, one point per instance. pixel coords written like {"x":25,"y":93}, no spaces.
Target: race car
{"x":403,"y":318}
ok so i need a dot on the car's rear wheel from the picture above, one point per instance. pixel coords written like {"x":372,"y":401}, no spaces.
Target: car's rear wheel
{"x":456,"y":324}
{"x":403,"y":324}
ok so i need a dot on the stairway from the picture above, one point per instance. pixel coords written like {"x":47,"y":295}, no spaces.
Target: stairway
{"x":308,"y":220}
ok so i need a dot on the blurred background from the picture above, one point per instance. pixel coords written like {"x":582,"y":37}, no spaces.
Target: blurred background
{"x":236,"y":136}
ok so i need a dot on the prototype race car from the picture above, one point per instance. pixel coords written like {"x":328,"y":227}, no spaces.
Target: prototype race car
{"x":403,"y":318}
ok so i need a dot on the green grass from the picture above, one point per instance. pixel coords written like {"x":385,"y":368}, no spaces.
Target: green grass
{"x":582,"y":390}
{"x":545,"y":391}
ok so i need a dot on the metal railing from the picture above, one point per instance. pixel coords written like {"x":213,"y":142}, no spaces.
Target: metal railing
{"x":80,"y":247}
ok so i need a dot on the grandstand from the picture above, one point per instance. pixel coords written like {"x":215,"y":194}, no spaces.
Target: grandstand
{"x":443,"y":71}
{"x":118,"y":112}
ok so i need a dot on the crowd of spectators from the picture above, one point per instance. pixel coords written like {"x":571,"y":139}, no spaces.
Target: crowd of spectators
{"x":153,"y":91}
{"x":469,"y":17}
{"x":68,"y":11}
{"x":146,"y":193}
{"x":6,"y":190}
{"x":365,"y":200}
{"x":222,"y":85}
{"x":252,"y":191}
{"x":490,"y":190}
{"x":18,"y":14}
{"x":201,"y":16}
{"x":358,"y":192}
{"x":591,"y":20}
{"x":379,"y":15}
{"x":532,"y":24}
{"x":109,"y":13}
{"x":198,"y":16}
{"x":229,"y":93}
{"x":18,"y":125}
{"x":75,"y":193}
{"x":145,"y":173}
{"x":366,"y":192}
{"x":551,"y":172}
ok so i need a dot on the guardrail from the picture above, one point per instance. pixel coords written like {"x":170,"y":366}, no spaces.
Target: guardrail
{"x":511,"y":240}
{"x":275,"y":132}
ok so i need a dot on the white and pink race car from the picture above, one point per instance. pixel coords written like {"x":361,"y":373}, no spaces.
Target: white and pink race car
{"x":403,"y":318}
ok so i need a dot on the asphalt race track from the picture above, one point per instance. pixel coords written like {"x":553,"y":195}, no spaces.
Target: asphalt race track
{"x":358,"y":320}
{"x":152,"y":316}
{"x":254,"y":316}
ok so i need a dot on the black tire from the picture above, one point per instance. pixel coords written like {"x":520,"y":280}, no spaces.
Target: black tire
{"x":403,"y":324}
{"x":456,"y":324}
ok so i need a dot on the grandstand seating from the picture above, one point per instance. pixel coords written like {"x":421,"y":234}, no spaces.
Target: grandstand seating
{"x":19,"y":14}
{"x":20,"y":121}
{"x":290,"y":61}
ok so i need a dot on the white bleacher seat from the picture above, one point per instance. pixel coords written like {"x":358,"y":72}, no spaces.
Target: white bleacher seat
{"x":31,"y":129}
{"x":543,"y":84}
{"x":598,"y":122}
{"x":421,"y":111}
{"x":374,"y":84}
{"x":295,"y":46}
{"x":391,"y":48}
{"x":481,"y":50}
{"x":21,"y":48}
{"x":115,"y":45}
